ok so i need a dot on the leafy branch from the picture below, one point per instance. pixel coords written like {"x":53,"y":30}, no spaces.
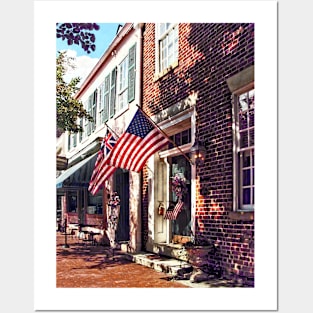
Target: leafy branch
{"x":79,"y":34}
{"x":69,"y":109}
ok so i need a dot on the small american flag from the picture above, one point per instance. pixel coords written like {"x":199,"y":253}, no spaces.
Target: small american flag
{"x":173,"y":211}
{"x":102,"y":171}
{"x":140,"y":140}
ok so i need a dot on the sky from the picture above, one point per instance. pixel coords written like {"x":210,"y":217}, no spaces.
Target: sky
{"x":85,"y":62}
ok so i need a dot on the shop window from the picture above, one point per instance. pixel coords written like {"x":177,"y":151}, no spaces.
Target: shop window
{"x":72,"y":202}
{"x":95,"y":204}
{"x":59,"y":207}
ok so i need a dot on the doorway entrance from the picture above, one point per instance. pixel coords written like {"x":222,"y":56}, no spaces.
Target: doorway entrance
{"x":180,"y":228}
{"x":121,"y":186}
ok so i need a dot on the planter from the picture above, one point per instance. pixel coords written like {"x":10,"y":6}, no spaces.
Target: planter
{"x":198,"y":255}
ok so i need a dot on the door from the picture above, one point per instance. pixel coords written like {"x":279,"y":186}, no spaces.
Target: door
{"x":160,"y":182}
{"x":180,"y":228}
{"x":81,"y":212}
{"x":121,"y":186}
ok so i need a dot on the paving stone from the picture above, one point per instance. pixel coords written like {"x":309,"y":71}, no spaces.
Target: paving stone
{"x":81,"y":266}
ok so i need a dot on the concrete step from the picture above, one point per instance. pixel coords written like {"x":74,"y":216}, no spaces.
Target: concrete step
{"x":160,"y":263}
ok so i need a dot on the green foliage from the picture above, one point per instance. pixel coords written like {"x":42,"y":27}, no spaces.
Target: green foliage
{"x":69,"y":109}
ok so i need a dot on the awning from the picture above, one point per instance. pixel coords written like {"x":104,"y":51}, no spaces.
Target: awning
{"x":61,"y":163}
{"x":78,"y":175}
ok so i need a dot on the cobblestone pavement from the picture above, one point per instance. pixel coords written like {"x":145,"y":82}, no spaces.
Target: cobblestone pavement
{"x":85,"y":266}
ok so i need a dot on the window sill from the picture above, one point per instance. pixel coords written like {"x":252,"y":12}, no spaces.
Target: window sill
{"x":157,"y":76}
{"x":241,"y":216}
{"x":120,"y":112}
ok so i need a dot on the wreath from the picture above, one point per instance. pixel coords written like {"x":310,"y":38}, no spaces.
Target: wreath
{"x":113,"y":205}
{"x":179,"y":186}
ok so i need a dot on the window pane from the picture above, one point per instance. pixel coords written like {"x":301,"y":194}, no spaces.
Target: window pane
{"x":246,"y":178}
{"x":246,"y":196}
{"x":95,"y":204}
{"x":251,"y":136}
{"x":243,"y":120}
{"x":178,"y":139}
{"x":246,"y":159}
{"x":253,"y":176}
{"x":185,"y":137}
{"x":171,"y":36}
{"x":251,"y":99}
{"x":244,"y":139}
{"x":253,"y":195}
{"x":72,"y":201}
{"x":162,"y":28}
{"x":251,"y":118}
{"x":243,"y":102}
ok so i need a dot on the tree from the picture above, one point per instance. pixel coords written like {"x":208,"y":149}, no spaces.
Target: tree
{"x":79,"y":34}
{"x":69,"y":109}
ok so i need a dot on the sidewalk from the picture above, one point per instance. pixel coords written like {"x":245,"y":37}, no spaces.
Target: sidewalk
{"x":87,"y":266}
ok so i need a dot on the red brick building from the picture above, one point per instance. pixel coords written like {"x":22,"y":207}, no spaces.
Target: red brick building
{"x":198,"y":86}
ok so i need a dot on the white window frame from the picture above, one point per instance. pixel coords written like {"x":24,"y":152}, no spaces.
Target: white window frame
{"x":122,"y":82}
{"x":164,"y":41}
{"x":239,"y":152}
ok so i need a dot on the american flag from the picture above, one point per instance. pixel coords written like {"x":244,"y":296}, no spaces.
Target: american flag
{"x":140,"y":140}
{"x":102,"y":171}
{"x":173,"y":211}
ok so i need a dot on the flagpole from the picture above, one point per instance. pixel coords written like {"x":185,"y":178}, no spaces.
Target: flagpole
{"x":111,"y":130}
{"x":156,"y":125}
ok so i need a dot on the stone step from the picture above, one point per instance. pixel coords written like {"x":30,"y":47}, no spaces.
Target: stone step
{"x":160,"y":263}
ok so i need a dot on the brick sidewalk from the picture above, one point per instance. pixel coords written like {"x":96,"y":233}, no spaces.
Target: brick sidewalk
{"x":83,"y":266}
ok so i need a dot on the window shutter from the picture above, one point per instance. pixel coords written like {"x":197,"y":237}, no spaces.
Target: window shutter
{"x":113,"y":93}
{"x":106,"y":98}
{"x":94,"y":110}
{"x":69,"y":142}
{"x":131,"y":73}
{"x":81,"y":123}
{"x":74,"y":140}
{"x":90,"y":113}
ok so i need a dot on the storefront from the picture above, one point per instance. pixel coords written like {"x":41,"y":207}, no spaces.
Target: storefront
{"x":171,"y":177}
{"x":76,"y":204}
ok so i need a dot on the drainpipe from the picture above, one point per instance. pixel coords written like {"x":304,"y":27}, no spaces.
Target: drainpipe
{"x":139,"y":75}
{"x":140,"y":61}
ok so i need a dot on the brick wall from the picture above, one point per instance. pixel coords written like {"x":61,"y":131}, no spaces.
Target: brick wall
{"x":208,"y":55}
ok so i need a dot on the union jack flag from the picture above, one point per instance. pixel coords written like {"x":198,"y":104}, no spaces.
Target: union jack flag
{"x":102,"y":171}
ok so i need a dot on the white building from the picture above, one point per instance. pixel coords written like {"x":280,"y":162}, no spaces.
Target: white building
{"x":110,"y":93}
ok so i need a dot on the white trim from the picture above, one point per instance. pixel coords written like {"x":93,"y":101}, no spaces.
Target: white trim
{"x":175,"y":151}
{"x":158,"y":37}
{"x":173,"y":120}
